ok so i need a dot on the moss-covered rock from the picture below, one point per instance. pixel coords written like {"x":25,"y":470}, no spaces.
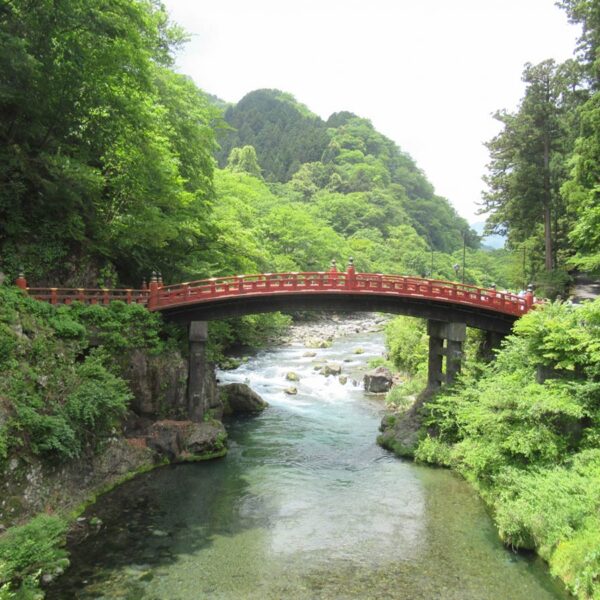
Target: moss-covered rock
{"x":241,"y":398}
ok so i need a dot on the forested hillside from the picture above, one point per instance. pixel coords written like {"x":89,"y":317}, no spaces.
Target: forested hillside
{"x":344,"y":164}
{"x":108,"y":169}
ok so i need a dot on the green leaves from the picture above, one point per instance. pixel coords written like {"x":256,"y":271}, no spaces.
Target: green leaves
{"x":532,"y":448}
{"x":32,"y":549}
{"x":105,"y":151}
{"x":61,"y":398}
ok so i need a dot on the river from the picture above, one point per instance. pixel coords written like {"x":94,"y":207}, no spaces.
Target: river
{"x":304,"y":506}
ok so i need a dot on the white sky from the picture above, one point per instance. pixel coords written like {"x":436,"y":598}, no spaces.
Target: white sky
{"x":428,"y":73}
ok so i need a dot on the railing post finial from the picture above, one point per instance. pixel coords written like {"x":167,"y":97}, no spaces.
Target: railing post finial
{"x":350,"y":273}
{"x":529,"y":296}
{"x":21,"y":282}
{"x":160,"y":279}
{"x":333,"y":268}
{"x":144,"y":284}
{"x":153,"y":297}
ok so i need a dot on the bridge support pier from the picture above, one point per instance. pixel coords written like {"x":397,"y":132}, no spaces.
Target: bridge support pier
{"x":492,"y":342}
{"x":445,"y":340}
{"x":197,"y":379}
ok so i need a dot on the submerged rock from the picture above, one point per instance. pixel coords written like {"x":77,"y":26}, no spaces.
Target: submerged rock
{"x":309,"y":354}
{"x":378,"y":380}
{"x":291,"y":376}
{"x":241,"y":398}
{"x":343,"y":379}
{"x":291,"y":391}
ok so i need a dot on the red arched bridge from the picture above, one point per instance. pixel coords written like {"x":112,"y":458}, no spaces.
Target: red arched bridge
{"x":449,"y":307}
{"x":221,"y":297}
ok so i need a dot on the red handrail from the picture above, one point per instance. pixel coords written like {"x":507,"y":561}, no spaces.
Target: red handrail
{"x":322,"y":282}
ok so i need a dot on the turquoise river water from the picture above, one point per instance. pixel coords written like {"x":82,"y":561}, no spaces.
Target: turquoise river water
{"x":304,"y":506}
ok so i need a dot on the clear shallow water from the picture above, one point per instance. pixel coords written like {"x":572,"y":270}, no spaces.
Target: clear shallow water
{"x":305,"y":505}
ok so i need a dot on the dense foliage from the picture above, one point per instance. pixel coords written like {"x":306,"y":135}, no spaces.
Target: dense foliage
{"x":27,"y":552}
{"x":105,"y":153}
{"x":543,"y":174}
{"x":62,"y":388}
{"x":360,"y":180}
{"x":525,"y":432}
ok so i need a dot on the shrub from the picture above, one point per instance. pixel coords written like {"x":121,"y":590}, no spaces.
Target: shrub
{"x":406,"y":339}
{"x":532,"y":449}
{"x":30,"y":550}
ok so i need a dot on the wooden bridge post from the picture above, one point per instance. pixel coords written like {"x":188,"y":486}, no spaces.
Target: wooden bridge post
{"x":445,"y":339}
{"x":197,"y":376}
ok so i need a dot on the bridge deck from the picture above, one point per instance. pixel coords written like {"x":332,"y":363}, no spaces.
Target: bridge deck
{"x":159,"y":298}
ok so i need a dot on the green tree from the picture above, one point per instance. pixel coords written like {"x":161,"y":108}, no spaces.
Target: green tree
{"x":244,"y":160}
{"x":527,"y":161}
{"x":105,"y":153}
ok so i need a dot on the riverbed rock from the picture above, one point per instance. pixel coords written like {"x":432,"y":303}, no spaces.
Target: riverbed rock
{"x":291,"y":376}
{"x":183,"y":440}
{"x":229,"y":363}
{"x":291,"y":391}
{"x":400,"y":430}
{"x":378,"y":381}
{"x":331,"y":369}
{"x":317,"y":343}
{"x":309,"y":354}
{"x":343,"y":379}
{"x":241,"y":398}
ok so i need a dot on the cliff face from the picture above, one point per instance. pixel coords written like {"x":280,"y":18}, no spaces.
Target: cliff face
{"x":156,"y":431}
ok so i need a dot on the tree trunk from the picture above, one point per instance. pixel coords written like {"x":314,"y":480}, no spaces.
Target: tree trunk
{"x":547,"y":211}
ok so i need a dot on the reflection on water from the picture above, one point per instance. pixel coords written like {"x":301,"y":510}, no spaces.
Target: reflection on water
{"x":304,"y":506}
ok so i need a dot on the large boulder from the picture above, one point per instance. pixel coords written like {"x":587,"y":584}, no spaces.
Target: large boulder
{"x":166,"y":437}
{"x":177,"y":440}
{"x":241,"y":398}
{"x":378,"y":381}
{"x":205,"y":438}
{"x":331,"y":369}
{"x":400,"y":430}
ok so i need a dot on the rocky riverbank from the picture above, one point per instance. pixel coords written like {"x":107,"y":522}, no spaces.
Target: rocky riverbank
{"x":321,"y":332}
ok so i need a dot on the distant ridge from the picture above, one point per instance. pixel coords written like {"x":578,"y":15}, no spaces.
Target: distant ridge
{"x":491,"y":241}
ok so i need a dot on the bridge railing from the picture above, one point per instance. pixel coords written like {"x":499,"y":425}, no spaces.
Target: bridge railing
{"x":374,"y":283}
{"x":159,"y":297}
{"x":250,"y":284}
{"x":88,"y":296}
{"x":443,"y":290}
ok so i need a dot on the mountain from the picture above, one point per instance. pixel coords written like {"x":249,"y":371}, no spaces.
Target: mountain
{"x":364,"y":172}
